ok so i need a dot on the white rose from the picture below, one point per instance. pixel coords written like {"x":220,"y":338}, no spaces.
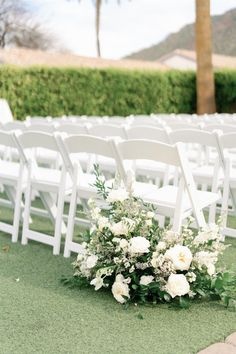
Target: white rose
{"x":124,"y":244}
{"x":177,"y":285}
{"x":91,"y":261}
{"x":102,"y":223}
{"x":120,"y":289}
{"x":181,"y":257}
{"x":211,"y":269}
{"x":97,"y":282}
{"x":146,"y":279}
{"x":139,"y":245}
{"x":117,"y":195}
{"x":120,"y":228}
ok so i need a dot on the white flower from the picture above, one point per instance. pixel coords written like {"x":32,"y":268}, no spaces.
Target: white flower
{"x":210,"y":233}
{"x":146,"y":279}
{"x":91,"y":261}
{"x":124,"y":244}
{"x":161,"y":246}
{"x":117,"y":195}
{"x":170,"y":236}
{"x":150,"y":215}
{"x":119,"y":228}
{"x":181,"y":257}
{"x":177,"y":285}
{"x":120,"y":289}
{"x":130,"y":223}
{"x":211,"y":269}
{"x":204,"y":258}
{"x":149,"y":222}
{"x":97,"y":282}
{"x":95,"y":213}
{"x":191,"y":277}
{"x":139,"y":245}
{"x":102,"y":223}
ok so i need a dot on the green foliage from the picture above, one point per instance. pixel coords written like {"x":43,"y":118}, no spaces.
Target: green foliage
{"x":40,"y":91}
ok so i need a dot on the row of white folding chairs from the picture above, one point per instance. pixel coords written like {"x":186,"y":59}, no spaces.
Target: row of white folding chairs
{"x":175,"y":201}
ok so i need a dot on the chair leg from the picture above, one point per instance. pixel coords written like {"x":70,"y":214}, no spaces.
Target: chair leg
{"x":58,"y":223}
{"x":71,"y":222}
{"x":17,"y":212}
{"x":26,"y":221}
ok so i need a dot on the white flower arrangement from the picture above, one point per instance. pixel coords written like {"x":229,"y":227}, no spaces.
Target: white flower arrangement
{"x":141,"y":263}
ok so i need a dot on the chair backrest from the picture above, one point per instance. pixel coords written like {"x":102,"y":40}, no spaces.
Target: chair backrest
{"x":16,"y":125}
{"x":73,"y":129}
{"x":225,"y":128}
{"x":5,"y":112}
{"x":107,"y":130}
{"x":169,"y":154}
{"x":193,"y":136}
{"x":182,"y":125}
{"x":7,"y":139}
{"x":76,"y":144}
{"x":148,"y":132}
{"x":46,"y":128}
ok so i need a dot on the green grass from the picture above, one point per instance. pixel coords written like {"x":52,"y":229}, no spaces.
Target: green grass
{"x":40,"y":315}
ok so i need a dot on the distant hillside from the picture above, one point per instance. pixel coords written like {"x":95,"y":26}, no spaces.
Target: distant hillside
{"x":224,"y":39}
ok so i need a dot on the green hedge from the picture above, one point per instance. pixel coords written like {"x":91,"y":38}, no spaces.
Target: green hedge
{"x":54,"y":91}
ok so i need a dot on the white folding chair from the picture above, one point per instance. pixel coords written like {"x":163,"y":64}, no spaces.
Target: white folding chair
{"x":171,"y":201}
{"x":83,"y":188}
{"x":13,"y":182}
{"x":51,"y":184}
{"x":151,"y":169}
{"x":227,"y":142}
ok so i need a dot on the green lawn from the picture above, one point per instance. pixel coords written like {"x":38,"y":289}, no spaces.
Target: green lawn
{"x":40,"y":315}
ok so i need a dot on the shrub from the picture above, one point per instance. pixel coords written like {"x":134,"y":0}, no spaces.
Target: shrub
{"x":56,"y":91}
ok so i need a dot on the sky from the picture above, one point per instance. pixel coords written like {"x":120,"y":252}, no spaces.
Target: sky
{"x":125,"y":28}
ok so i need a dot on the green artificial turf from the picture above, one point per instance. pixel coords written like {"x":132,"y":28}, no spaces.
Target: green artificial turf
{"x":40,"y":315}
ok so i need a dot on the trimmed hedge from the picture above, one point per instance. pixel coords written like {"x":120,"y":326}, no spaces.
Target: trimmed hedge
{"x":53,"y":91}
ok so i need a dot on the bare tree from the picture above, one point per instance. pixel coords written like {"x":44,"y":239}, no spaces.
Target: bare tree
{"x":18,"y":28}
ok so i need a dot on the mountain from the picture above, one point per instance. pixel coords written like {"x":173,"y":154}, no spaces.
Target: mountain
{"x":223,"y":32}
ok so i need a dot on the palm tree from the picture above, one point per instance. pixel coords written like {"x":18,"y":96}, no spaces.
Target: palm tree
{"x":205,"y":74}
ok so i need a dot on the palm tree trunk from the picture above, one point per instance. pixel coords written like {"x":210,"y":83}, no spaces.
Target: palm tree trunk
{"x":205,"y":74}
{"x":98,"y":12}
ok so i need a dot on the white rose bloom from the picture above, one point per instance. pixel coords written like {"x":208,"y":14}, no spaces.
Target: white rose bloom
{"x":211,"y":269}
{"x":120,"y":289}
{"x":102,"y":223}
{"x":117,"y":195}
{"x":150,"y":215}
{"x":119,"y":228}
{"x":181,"y":257}
{"x":146,"y":279}
{"x":139,"y":245}
{"x":124,"y":244}
{"x":177,"y":285}
{"x":91,"y":261}
{"x":97,"y":282}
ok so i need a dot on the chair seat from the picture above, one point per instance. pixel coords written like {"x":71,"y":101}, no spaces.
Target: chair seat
{"x":9,"y":171}
{"x":165,"y":198}
{"x":204,"y":174}
{"x":46,"y":179}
